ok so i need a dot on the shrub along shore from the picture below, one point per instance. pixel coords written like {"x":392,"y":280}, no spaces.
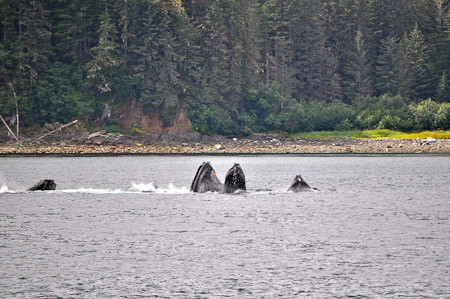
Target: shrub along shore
{"x":194,"y":143}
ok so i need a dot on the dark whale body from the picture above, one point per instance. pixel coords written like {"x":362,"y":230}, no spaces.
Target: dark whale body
{"x":206,"y":180}
{"x":43,"y":185}
{"x":299,"y":185}
{"x":235,"y":180}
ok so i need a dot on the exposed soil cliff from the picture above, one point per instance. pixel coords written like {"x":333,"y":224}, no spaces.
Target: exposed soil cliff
{"x":131,"y":114}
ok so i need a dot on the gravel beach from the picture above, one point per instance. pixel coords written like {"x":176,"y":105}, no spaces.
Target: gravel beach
{"x":194,"y":143}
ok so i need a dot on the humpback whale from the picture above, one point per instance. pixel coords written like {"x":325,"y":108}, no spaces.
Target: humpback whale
{"x":235,"y":180}
{"x":299,"y":184}
{"x":43,"y":185}
{"x":206,"y":180}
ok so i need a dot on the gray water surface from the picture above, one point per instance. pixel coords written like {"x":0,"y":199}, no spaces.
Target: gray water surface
{"x":378,"y":228}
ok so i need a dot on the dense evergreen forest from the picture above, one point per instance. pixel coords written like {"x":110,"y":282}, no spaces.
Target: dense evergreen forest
{"x":234,"y":66}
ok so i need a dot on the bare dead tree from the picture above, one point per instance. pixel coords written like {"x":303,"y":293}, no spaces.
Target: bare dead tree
{"x":9,"y":129}
{"x":17,"y":110}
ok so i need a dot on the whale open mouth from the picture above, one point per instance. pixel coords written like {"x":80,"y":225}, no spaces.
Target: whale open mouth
{"x":205,"y":179}
{"x":235,"y":180}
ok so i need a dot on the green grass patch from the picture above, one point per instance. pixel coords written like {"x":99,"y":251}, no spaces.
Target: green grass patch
{"x":373,"y":134}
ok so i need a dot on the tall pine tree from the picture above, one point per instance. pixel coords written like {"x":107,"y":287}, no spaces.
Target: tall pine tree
{"x":106,"y":60}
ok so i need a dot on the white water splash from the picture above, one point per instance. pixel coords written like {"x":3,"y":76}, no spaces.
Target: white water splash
{"x":172,"y":189}
{"x":144,"y":187}
{"x":4,"y":189}
{"x":136,"y":188}
{"x":150,"y":187}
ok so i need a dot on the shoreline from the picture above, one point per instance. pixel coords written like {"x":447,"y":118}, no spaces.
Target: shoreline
{"x":252,"y":145}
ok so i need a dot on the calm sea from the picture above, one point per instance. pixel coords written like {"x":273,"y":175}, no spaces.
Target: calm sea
{"x":128,"y":227}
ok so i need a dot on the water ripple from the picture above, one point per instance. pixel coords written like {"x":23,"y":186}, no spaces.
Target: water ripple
{"x":97,"y":237}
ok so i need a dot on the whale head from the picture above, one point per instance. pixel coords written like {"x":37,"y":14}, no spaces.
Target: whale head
{"x":43,"y":185}
{"x":234,"y":180}
{"x":205,"y":179}
{"x":298,"y":184}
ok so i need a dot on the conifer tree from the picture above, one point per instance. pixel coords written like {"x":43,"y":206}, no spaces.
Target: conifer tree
{"x":386,"y":69}
{"x":212,"y":51}
{"x":106,"y":60}
{"x":315,"y":64}
{"x":419,"y":62}
{"x":358,"y":80}
{"x":229,"y":50}
{"x":280,"y":60}
{"x":402,"y":67}
{"x":443,"y":89}
{"x":167,"y":81}
{"x":34,"y":43}
{"x":8,"y":38}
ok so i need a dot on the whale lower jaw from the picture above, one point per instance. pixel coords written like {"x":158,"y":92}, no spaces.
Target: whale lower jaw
{"x":206,"y":180}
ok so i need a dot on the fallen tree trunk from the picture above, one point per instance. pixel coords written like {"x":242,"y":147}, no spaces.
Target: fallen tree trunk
{"x":9,"y":129}
{"x":58,"y":129}
{"x":99,"y":133}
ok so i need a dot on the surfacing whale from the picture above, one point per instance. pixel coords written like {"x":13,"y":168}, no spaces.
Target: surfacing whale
{"x":235,"y":180}
{"x":206,"y":180}
{"x":299,"y":185}
{"x":43,"y":185}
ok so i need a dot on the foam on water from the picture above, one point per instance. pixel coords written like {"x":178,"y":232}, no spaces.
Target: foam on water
{"x":150,"y":187}
{"x":142,"y":188}
{"x":136,"y":188}
{"x":4,"y":189}
{"x":93,"y":191}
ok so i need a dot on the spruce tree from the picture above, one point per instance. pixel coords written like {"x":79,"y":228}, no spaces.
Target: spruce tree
{"x":419,"y":62}
{"x":443,"y":89}
{"x":315,"y":64}
{"x":386,"y":68}
{"x":101,"y":69}
{"x":358,"y":71}
{"x":34,"y":43}
{"x":402,"y":67}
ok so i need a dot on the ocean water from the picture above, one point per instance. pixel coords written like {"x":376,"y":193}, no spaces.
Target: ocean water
{"x":128,"y":227}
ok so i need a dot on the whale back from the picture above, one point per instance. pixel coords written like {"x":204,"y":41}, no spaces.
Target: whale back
{"x":235,"y":180}
{"x":299,"y":184}
{"x":205,"y":179}
{"x":43,"y":185}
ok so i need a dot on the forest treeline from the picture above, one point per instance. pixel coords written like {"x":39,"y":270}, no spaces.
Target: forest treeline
{"x":235,"y":66}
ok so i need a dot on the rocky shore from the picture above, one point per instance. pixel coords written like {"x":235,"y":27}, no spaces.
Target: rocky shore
{"x":81,"y":143}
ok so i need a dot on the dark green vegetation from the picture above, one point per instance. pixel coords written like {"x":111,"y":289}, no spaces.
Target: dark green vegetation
{"x":235,"y":66}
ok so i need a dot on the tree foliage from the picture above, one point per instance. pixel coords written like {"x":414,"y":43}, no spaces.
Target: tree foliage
{"x":235,"y":65}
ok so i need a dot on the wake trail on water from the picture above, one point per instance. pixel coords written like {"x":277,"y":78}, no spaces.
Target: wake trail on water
{"x":5,"y":189}
{"x":142,"y":188}
{"x":136,"y":188}
{"x":150,"y":187}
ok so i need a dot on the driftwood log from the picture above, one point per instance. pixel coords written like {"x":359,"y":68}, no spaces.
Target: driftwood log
{"x":95,"y":134}
{"x":58,"y":129}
